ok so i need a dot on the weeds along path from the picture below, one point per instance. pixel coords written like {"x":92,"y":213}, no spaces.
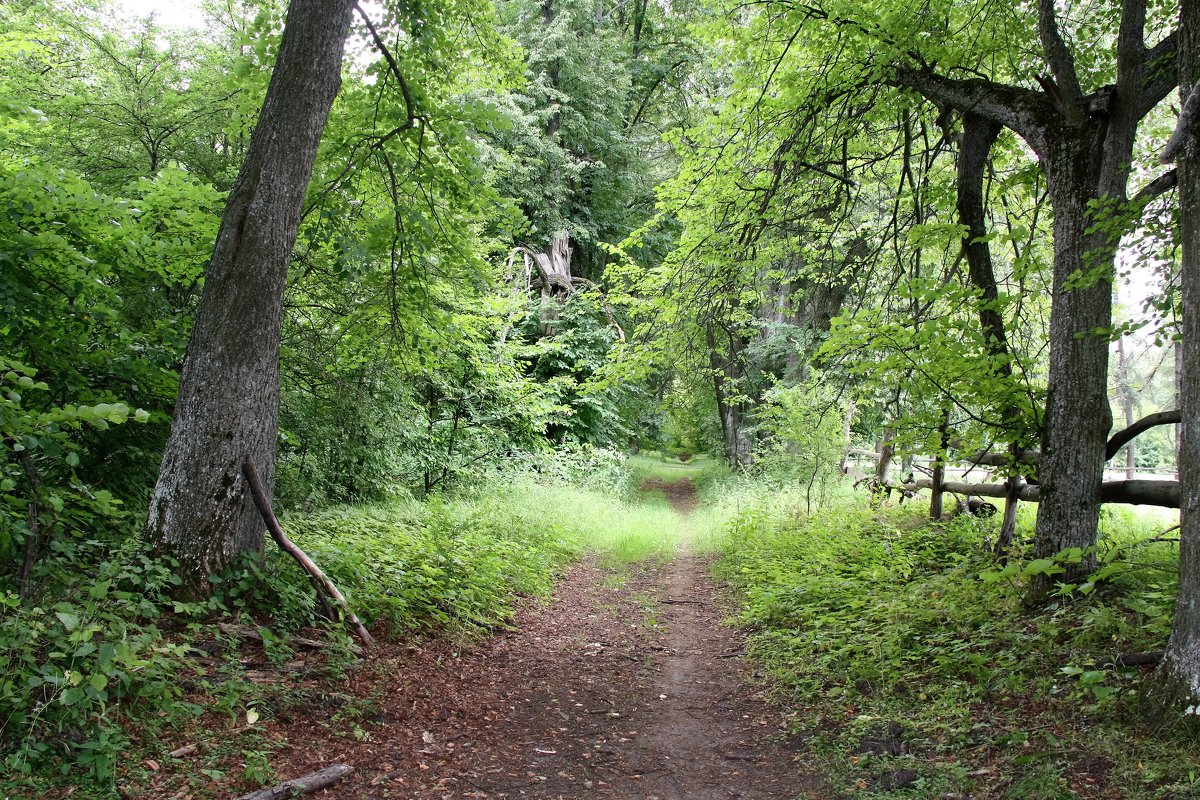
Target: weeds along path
{"x":625,"y":686}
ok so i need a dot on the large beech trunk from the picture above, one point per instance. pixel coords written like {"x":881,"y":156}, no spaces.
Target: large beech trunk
{"x":1078,"y":415}
{"x":1179,"y":673}
{"x":228,"y":407}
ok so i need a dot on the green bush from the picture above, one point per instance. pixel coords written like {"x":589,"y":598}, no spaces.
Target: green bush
{"x":69,"y":669}
{"x":105,"y":645}
{"x":47,"y":511}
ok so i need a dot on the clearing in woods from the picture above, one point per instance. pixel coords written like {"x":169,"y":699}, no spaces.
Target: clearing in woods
{"x":616,"y":689}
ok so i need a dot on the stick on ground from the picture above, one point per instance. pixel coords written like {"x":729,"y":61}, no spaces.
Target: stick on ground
{"x":306,"y":784}
{"x":286,"y":544}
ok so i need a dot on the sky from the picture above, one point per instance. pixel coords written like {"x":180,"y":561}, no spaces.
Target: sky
{"x":169,"y":13}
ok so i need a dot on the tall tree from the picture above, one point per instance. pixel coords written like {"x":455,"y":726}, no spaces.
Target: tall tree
{"x":1084,"y":137}
{"x":201,"y":511}
{"x":1179,"y":674}
{"x":1077,"y":108}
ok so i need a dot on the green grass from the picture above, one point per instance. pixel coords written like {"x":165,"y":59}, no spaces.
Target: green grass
{"x":463,"y":563}
{"x":862,"y":617}
{"x":649,"y":466}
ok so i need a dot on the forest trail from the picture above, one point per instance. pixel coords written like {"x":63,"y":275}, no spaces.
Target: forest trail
{"x":619,"y":688}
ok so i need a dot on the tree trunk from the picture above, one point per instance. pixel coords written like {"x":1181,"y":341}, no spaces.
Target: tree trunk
{"x":726,"y":367}
{"x":228,"y":407}
{"x":1179,"y":674}
{"x":979,"y":134}
{"x":936,"y":508}
{"x":883,"y":467}
{"x":1085,"y":145}
{"x":1128,"y":401}
{"x":1078,"y":416}
{"x":1178,"y":348}
{"x":847,"y":422}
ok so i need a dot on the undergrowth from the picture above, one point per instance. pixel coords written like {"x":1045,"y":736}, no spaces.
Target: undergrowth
{"x":463,"y":563}
{"x":908,"y":666}
{"x":95,"y":670}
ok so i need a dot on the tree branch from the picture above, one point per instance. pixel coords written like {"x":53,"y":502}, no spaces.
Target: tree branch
{"x":1011,"y":106}
{"x":1062,"y":63}
{"x":409,"y":106}
{"x":1162,"y":66}
{"x":1122,"y":438}
{"x":1183,"y":127}
{"x":259,"y":492}
{"x":1159,"y":186}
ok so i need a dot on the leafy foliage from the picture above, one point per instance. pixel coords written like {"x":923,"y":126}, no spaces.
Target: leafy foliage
{"x":888,"y":618}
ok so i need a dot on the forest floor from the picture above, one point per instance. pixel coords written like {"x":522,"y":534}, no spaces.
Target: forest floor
{"x":625,"y":685}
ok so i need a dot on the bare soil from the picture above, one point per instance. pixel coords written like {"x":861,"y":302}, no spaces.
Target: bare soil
{"x":621,"y":687}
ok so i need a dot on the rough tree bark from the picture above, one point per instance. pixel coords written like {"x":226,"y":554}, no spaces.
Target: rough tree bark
{"x":936,"y":506}
{"x":847,"y":423}
{"x":228,"y":407}
{"x":1178,"y":675}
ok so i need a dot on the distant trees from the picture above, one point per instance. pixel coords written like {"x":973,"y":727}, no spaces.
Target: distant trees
{"x":814,"y":140}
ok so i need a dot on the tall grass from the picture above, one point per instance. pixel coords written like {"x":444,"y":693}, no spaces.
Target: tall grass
{"x":463,"y":563}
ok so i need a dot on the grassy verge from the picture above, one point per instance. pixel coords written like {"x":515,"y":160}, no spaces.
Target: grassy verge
{"x":908,"y":667}
{"x":462,"y":564}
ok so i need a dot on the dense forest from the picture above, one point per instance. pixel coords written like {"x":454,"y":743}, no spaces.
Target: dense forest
{"x":355,"y":326}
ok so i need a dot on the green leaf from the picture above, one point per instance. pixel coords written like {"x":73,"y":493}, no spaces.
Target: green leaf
{"x":69,"y":621}
{"x":1042,"y":566}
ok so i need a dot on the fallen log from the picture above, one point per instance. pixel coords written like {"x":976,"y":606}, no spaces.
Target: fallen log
{"x":1145,"y":493}
{"x":976,"y":489}
{"x":1133,"y":660}
{"x":286,"y":544}
{"x":1031,"y":457}
{"x":306,"y":784}
{"x":1136,"y":492}
{"x":248,"y":632}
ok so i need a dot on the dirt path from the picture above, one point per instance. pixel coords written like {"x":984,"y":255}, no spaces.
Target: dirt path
{"x":615,"y":690}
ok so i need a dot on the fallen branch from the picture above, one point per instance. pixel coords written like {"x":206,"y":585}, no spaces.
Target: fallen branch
{"x":307,"y":784}
{"x":1133,"y":660}
{"x":247,"y":632}
{"x":1122,"y":438}
{"x":1147,"y":493}
{"x":310,"y":566}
